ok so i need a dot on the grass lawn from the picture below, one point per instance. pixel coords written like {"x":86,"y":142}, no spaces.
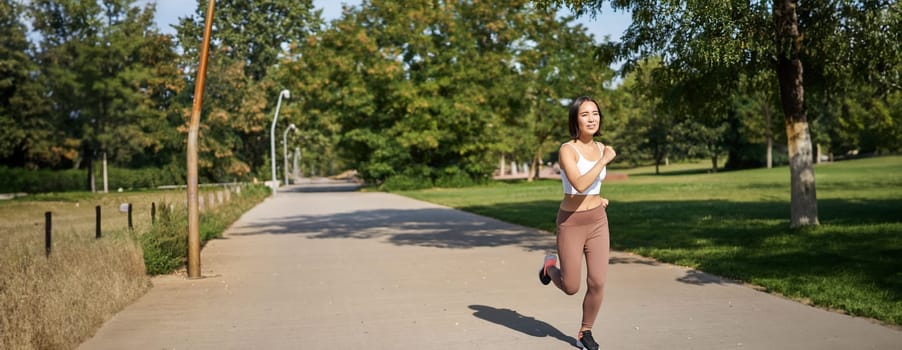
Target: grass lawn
{"x":736,"y":225}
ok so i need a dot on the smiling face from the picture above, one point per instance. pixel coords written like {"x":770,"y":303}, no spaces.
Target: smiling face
{"x":585,"y":118}
{"x":588,"y":118}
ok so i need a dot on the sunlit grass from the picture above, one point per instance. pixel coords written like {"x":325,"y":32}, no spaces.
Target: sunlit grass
{"x":736,"y":224}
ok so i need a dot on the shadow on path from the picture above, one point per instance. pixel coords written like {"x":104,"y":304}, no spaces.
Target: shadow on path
{"x":700,"y":278}
{"x":694,"y":277}
{"x":336,"y":186}
{"x":427,"y":227}
{"x":628,"y":259}
{"x":523,"y":324}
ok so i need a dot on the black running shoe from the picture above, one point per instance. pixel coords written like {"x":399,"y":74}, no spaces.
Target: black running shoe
{"x":550,"y":260}
{"x":586,"y":341}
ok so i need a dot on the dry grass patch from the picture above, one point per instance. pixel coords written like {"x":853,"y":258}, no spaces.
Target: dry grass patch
{"x":59,"y":301}
{"x":25,"y":216}
{"x":54,"y":302}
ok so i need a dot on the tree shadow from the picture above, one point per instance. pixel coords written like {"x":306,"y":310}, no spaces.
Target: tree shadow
{"x":736,"y":240}
{"x":523,"y":324}
{"x":753,"y":240}
{"x":615,"y":260}
{"x":427,"y":227}
{"x":700,"y":278}
{"x":856,"y":241}
{"x":694,"y":277}
{"x":693,"y":171}
{"x":336,"y":186}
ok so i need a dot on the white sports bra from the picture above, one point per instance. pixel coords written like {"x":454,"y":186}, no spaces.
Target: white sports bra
{"x":584,"y":165}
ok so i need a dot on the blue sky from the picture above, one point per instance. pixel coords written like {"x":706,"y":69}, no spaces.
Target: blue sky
{"x":608,"y":23}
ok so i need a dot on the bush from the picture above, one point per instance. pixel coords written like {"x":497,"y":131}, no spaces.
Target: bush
{"x":405,"y":183}
{"x":14,"y":180}
{"x":423,"y":177}
{"x":166,"y":244}
{"x":755,"y":156}
{"x":452,"y":177}
{"x":143,"y":178}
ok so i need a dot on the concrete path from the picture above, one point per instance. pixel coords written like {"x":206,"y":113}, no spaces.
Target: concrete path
{"x":313,"y":269}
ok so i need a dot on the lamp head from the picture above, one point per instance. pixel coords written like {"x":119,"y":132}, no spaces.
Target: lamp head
{"x":291,"y":127}
{"x":285,"y":93}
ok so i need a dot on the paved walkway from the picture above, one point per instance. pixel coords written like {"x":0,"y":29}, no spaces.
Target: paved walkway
{"x":313,"y":269}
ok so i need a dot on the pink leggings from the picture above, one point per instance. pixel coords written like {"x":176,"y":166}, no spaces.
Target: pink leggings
{"x":583,"y":232}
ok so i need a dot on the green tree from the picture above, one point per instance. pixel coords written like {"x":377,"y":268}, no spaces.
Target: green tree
{"x":753,"y":129}
{"x":415,"y":90}
{"x":559,"y":62}
{"x":737,"y":37}
{"x":254,"y":33}
{"x":852,"y":74}
{"x":649,"y":125}
{"x":66,"y":28}
{"x":251,"y":38}
{"x":100,"y":61}
{"x":316,"y":78}
{"x":26,"y":137}
{"x":429,"y":92}
{"x":162,"y":86}
{"x":488,"y":94}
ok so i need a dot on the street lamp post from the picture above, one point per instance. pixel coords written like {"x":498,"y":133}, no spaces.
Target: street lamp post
{"x":272,"y":139}
{"x":193,"y":131}
{"x":285,"y":149}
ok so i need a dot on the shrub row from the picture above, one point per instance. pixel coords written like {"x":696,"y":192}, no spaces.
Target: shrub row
{"x":13,"y":180}
{"x":416,"y":179}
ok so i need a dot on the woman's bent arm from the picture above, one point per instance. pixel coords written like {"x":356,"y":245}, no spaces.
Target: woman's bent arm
{"x":571,"y":171}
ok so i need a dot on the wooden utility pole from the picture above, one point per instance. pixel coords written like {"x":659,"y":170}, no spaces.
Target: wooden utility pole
{"x":193,"y":127}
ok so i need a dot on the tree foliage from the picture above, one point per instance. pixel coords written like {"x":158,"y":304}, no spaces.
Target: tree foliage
{"x":25,"y":140}
{"x":557,"y":62}
{"x":435,"y":91}
{"x":250,"y":39}
{"x":103,"y":65}
{"x":708,"y":48}
{"x":428,"y":92}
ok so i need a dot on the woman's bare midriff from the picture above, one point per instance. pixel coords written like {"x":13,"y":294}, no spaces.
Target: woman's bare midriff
{"x":578,"y":202}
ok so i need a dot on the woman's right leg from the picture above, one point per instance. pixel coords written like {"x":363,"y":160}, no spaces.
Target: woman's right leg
{"x":598,"y":249}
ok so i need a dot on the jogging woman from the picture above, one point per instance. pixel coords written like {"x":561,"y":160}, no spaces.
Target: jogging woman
{"x":582,"y":223}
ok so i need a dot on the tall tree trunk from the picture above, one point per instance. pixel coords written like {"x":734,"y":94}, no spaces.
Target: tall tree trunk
{"x":90,"y":181}
{"x":714,"y":163}
{"x":537,"y":172}
{"x":533,"y":171}
{"x":106,"y":182}
{"x":658,"y":157}
{"x":769,"y":135}
{"x":803,"y":210}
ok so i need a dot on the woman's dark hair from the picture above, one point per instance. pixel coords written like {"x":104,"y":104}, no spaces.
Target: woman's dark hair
{"x":574,"y":116}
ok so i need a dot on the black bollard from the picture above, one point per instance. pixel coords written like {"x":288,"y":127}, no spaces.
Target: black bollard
{"x":48,"y":222}
{"x":153,"y":213}
{"x":130,"y":226}
{"x":97,"y":210}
